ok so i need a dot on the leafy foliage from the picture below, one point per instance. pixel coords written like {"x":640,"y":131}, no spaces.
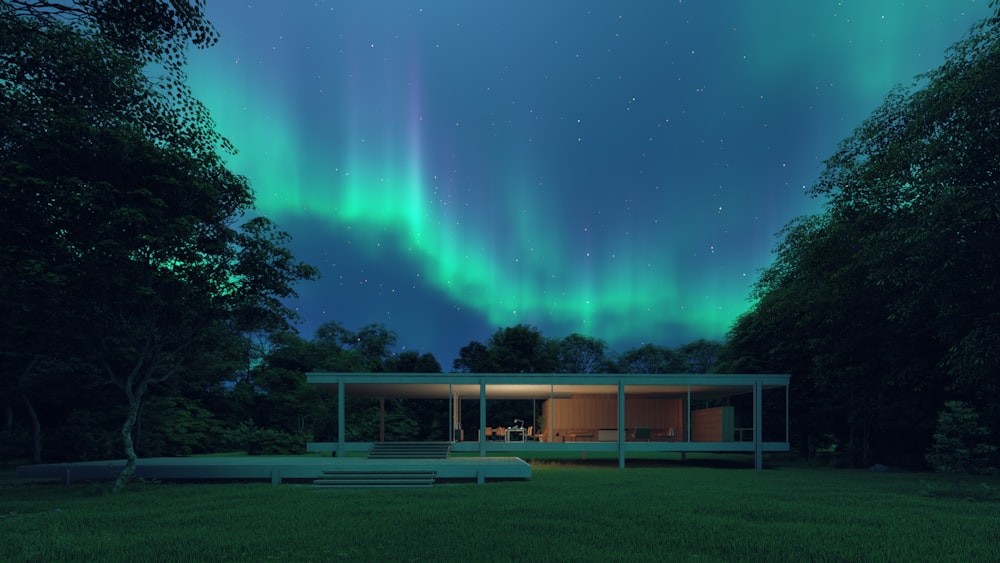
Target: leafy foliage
{"x":521,"y":349}
{"x":582,"y":354}
{"x":516,"y":349}
{"x":960,"y":442}
{"x":651,"y":358}
{"x":411,"y":361}
{"x":886,"y":302}
{"x":177,"y":426}
{"x":266,"y":441}
{"x":120,"y":212}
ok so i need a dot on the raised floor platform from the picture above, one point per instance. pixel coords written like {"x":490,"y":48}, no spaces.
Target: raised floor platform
{"x":277,"y":469}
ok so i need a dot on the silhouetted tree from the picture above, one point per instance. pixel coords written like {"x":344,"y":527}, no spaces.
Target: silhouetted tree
{"x":474,"y":357}
{"x":121,"y":192}
{"x":961,"y":445}
{"x":583,"y":354}
{"x":885,"y":304}
{"x":411,"y":361}
{"x":700,"y":356}
{"x":650,"y":358}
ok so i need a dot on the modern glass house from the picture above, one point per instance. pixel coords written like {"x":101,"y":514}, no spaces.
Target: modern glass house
{"x":622,"y":413}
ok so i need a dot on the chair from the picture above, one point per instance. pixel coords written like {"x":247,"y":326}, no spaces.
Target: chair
{"x":641,"y":434}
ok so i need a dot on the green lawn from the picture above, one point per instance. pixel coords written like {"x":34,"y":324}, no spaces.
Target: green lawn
{"x":564,"y":513}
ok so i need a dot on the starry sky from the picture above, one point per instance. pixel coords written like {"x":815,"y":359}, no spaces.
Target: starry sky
{"x":617,"y":169}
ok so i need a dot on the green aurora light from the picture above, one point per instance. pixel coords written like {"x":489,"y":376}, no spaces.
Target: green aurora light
{"x":615,"y":171}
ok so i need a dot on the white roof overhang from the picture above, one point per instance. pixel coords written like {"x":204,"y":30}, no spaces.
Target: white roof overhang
{"x":541,"y":386}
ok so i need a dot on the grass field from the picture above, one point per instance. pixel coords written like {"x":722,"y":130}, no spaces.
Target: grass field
{"x":566,"y":512}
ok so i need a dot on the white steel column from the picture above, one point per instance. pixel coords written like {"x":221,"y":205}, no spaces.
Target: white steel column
{"x":482,"y":417}
{"x":381,"y":419}
{"x":758,"y":423}
{"x":687,"y":425}
{"x":621,"y":423}
{"x":786,"y":415}
{"x":340,"y":418}
{"x":458,"y":416}
{"x":550,"y":422}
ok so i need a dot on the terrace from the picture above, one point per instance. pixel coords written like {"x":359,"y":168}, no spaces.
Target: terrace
{"x":614,"y":414}
{"x":623,"y":413}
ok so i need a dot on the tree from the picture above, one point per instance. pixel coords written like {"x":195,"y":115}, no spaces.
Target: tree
{"x":926,"y":162}
{"x":332,"y":354}
{"x":411,"y":361}
{"x":121,"y":36}
{"x":650,"y":358}
{"x":521,"y":349}
{"x":373,"y":345}
{"x":960,"y":442}
{"x":123,"y":194}
{"x":474,"y":357}
{"x":414,"y":419}
{"x":699,"y":356}
{"x":42,"y":69}
{"x":886,"y":300}
{"x":582,"y":354}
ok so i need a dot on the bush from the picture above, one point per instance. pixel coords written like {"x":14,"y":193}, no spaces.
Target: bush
{"x":84,"y":436}
{"x":960,"y":442}
{"x":15,"y":444}
{"x":267,"y":441}
{"x":173,"y":426}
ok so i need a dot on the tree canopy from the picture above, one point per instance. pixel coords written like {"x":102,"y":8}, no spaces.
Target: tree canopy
{"x":119,"y":212}
{"x":886,"y":303}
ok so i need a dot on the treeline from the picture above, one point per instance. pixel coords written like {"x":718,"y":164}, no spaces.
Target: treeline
{"x":886,"y":305}
{"x":249,"y":394}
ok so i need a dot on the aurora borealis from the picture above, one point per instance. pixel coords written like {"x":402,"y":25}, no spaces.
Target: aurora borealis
{"x":613,"y":169}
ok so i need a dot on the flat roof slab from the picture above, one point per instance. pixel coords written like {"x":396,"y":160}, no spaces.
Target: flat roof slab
{"x":540,"y":386}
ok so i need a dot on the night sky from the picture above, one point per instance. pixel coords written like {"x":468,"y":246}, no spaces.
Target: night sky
{"x":617,"y":169}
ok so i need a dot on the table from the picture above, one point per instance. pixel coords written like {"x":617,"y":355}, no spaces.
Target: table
{"x":514,"y":434}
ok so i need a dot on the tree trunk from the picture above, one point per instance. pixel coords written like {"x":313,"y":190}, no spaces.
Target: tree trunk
{"x":134,"y":402}
{"x":138,"y":428}
{"x":36,"y":431}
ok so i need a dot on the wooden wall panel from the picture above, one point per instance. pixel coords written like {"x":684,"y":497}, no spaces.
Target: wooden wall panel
{"x":712,"y":425}
{"x":593,"y":412}
{"x":586,"y":411}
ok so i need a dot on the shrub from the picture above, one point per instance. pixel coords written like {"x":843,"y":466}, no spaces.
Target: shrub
{"x":267,"y":441}
{"x":15,"y":444}
{"x":960,"y":442}
{"x":173,"y":426}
